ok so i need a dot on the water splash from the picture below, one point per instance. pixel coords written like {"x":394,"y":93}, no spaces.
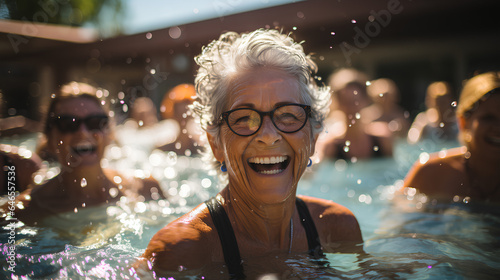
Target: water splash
{"x":83,"y":183}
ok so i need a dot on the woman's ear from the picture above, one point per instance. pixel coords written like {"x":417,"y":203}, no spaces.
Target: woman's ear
{"x":216,"y":149}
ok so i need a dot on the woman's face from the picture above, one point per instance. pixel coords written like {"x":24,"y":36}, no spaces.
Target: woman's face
{"x":84,"y":146}
{"x":287,"y":154}
{"x":482,"y":129}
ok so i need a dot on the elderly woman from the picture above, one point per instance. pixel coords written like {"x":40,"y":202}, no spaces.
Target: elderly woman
{"x":77,"y":130}
{"x":468,"y":173}
{"x":262,"y":113}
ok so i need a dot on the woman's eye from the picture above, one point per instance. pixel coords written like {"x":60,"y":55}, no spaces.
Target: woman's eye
{"x":286,"y":117}
{"x":242,"y":119}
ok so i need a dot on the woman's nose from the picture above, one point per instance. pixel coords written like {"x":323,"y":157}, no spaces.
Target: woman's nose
{"x":268,"y":133}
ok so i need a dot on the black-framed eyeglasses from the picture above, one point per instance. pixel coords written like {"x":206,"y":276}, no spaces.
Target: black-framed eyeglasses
{"x":288,"y":118}
{"x":71,"y":124}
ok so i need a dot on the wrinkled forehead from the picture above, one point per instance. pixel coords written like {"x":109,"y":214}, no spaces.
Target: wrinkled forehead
{"x":79,"y":106}
{"x":265,"y":85}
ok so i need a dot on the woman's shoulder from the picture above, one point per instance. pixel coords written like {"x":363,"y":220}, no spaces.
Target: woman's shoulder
{"x":333,"y":221}
{"x":440,"y":168}
{"x":446,"y":160}
{"x":187,"y":241}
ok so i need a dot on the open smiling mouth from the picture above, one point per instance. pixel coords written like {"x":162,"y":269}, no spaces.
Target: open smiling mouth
{"x":269,"y":165}
{"x":84,"y":149}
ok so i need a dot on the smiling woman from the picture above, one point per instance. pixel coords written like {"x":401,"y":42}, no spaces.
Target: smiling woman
{"x":262,"y":112}
{"x":77,"y":130}
{"x":469,"y":173}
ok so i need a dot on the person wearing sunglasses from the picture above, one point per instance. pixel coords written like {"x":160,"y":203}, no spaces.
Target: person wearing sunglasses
{"x":470,"y":173}
{"x":262,"y":113}
{"x":77,"y":131}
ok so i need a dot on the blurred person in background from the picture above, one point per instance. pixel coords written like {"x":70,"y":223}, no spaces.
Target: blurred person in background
{"x":77,"y":129}
{"x":385,"y":96}
{"x":438,"y":122}
{"x":469,"y":173}
{"x":347,"y":136}
{"x":174,"y":106}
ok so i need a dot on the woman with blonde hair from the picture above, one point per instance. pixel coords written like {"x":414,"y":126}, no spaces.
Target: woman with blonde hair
{"x":471,"y":172}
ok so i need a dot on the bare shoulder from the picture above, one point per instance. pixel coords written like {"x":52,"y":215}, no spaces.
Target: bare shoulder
{"x":441,"y":169}
{"x":334,"y":222}
{"x":187,"y":242}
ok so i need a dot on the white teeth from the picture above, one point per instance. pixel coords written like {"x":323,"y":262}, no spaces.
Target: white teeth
{"x":84,"y":146}
{"x":267,"y":160}
{"x":271,"y":172}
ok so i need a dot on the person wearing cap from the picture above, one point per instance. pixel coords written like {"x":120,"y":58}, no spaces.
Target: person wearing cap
{"x":468,"y":173}
{"x":347,"y":136}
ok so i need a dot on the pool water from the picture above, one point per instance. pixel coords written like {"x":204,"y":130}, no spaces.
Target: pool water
{"x":405,"y":237}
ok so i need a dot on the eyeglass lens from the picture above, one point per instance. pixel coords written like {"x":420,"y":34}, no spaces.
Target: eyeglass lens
{"x":288,"y":118}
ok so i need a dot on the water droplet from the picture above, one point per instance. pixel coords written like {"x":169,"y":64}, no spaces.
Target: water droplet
{"x":358,"y":116}
{"x":333,"y":33}
{"x":375,"y":148}
{"x":346,"y":149}
{"x":83,"y":183}
{"x":368,"y":83}
{"x":113,"y":192}
{"x":294,"y":28}
{"x":175,"y":32}
{"x":466,"y":199}
{"x":53,"y":95}
{"x":358,"y":181}
{"x":454,"y":104}
{"x":76,"y":210}
{"x":347,"y":143}
{"x":353,"y":21}
{"x":206,"y":183}
{"x":441,"y":124}
{"x":117,"y":179}
{"x":152,"y":71}
{"x":149,"y":35}
{"x":83,"y":204}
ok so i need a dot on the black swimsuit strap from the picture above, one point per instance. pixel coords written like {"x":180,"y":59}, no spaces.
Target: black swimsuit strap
{"x":227,"y":238}
{"x":230,"y":246}
{"x":311,"y":232}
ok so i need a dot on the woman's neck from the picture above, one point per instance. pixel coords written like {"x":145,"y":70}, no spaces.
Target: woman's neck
{"x":269,"y":223}
{"x":86,"y":184}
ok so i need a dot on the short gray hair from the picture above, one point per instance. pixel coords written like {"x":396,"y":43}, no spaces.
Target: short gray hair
{"x":235,"y":53}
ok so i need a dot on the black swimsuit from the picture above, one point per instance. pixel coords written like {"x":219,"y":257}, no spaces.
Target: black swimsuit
{"x":228,"y":239}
